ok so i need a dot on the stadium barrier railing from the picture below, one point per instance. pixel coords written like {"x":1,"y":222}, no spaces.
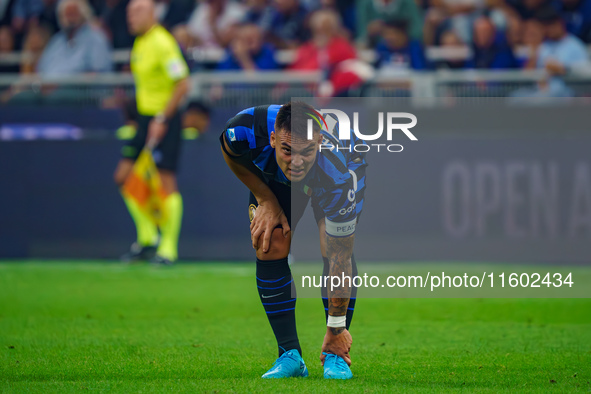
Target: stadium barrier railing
{"x":283,"y":57}
{"x":248,"y":88}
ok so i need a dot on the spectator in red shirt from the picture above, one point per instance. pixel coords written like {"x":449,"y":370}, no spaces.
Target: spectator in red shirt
{"x":331,"y":53}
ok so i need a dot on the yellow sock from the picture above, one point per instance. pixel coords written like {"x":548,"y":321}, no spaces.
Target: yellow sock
{"x":147,"y":232}
{"x":171,"y":229}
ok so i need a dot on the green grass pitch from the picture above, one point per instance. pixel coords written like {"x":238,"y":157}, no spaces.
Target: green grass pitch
{"x":94,"y":326}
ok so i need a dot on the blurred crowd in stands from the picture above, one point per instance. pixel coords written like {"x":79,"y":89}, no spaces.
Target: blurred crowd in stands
{"x":73,"y":36}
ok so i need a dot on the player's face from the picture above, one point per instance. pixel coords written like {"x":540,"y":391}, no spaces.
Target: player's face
{"x":295,"y":156}
{"x":140,"y":16}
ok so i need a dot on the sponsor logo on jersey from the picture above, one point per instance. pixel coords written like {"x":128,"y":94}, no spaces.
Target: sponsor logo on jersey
{"x":176,"y":69}
{"x":351,"y":195}
{"x":344,"y":211}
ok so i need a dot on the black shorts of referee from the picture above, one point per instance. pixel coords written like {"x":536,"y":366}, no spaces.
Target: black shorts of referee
{"x":167,"y":152}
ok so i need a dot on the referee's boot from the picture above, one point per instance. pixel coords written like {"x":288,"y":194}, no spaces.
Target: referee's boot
{"x":138,"y":252}
{"x":289,"y":365}
{"x":160,"y":260}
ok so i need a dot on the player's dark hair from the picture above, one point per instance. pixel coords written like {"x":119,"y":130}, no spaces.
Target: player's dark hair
{"x":293,"y":118}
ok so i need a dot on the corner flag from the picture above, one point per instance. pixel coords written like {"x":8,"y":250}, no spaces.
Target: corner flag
{"x":145,"y":187}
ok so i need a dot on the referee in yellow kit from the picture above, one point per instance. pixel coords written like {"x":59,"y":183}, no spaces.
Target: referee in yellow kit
{"x":162,"y":81}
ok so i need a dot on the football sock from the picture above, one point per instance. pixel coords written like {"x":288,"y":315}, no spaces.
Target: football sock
{"x":170,"y":229}
{"x":324,"y":291}
{"x":275,"y":286}
{"x":147,"y":232}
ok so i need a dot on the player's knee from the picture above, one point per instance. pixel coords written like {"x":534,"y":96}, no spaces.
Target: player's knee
{"x":278,"y":248}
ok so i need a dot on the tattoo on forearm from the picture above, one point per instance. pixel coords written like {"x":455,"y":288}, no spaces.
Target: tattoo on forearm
{"x":339,"y":252}
{"x":336,"y":330}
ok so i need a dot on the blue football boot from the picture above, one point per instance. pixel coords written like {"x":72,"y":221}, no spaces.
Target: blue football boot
{"x":336,"y":368}
{"x":289,"y":365}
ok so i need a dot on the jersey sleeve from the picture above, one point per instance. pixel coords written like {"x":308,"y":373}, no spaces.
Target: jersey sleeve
{"x":334,"y":194}
{"x":173,"y":63}
{"x":237,"y":134}
{"x":339,"y":207}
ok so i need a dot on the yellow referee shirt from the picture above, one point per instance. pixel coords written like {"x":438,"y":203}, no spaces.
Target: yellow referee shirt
{"x":157,"y":64}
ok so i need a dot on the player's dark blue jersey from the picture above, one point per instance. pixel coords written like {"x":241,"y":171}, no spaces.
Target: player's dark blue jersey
{"x":331,"y":183}
{"x":247,"y":135}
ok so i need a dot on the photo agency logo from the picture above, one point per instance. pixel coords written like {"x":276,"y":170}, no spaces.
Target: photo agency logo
{"x":337,"y":123}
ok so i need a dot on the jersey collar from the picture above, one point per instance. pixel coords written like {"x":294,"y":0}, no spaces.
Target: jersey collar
{"x":150,"y":30}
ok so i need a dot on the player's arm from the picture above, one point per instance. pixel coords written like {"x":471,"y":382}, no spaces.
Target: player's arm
{"x":159,"y":124}
{"x":259,"y":189}
{"x":181,"y":88}
{"x":339,"y":251}
{"x":339,"y":205}
{"x":269,"y":213}
{"x":175,"y":67}
{"x":337,"y":339}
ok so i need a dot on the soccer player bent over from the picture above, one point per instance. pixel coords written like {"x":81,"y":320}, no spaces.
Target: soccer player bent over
{"x":268,"y":150}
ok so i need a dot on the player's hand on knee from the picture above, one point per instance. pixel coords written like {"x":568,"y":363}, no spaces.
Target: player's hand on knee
{"x":278,"y":248}
{"x":337,"y":341}
{"x":268,"y":216}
